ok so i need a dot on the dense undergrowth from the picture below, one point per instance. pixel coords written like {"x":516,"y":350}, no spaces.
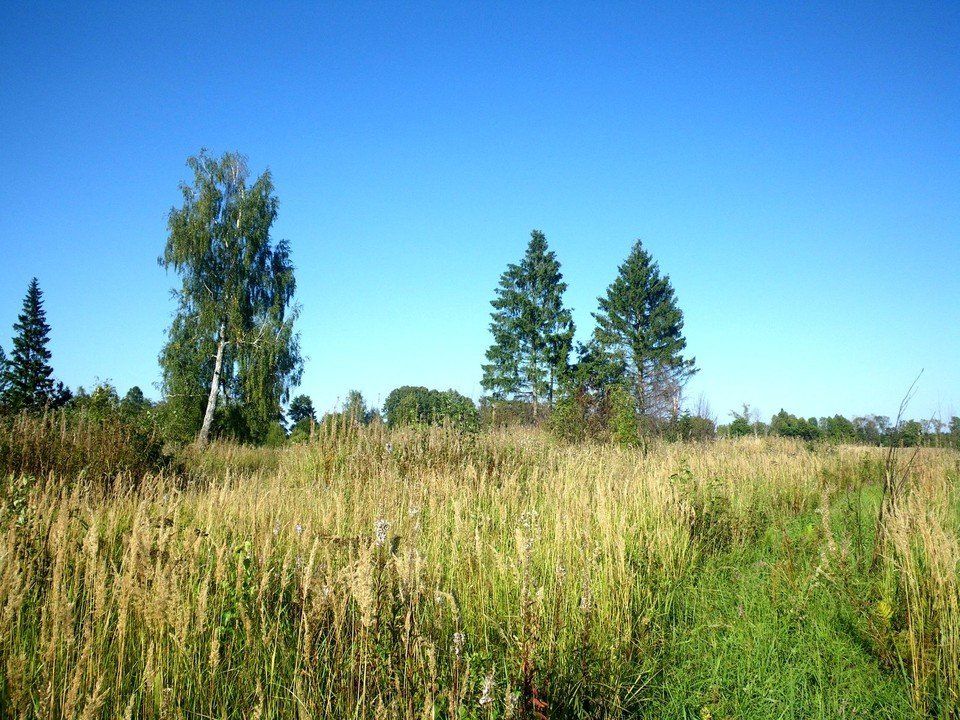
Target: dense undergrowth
{"x":100,"y":447}
{"x":426,"y":573}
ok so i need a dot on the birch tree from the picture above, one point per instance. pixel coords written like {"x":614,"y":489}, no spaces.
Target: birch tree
{"x":232,"y":337}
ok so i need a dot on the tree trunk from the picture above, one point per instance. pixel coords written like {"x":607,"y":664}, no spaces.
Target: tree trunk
{"x":533,"y":380}
{"x":204,"y":436}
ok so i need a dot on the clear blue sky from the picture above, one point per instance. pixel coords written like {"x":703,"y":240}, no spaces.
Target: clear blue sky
{"x":795,"y":169}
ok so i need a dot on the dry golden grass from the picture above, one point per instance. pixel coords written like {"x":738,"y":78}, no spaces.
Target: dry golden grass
{"x":419,"y":574}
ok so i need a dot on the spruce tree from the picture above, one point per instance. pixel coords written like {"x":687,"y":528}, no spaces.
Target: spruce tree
{"x":640,"y":326}
{"x":301,"y":408}
{"x":532,"y":331}
{"x":4,"y":381}
{"x":29,"y":377}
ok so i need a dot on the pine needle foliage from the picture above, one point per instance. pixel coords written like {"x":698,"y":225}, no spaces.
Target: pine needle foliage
{"x":640,"y":326}
{"x":28,"y":377}
{"x":532,"y":330}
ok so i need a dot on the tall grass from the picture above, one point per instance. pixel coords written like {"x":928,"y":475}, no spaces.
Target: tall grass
{"x":68,"y":443}
{"x":414,"y":574}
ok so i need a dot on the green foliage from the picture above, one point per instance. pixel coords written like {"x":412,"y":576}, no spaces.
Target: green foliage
{"x":355,"y":407}
{"x":870,"y":429}
{"x":786,"y":425}
{"x":4,"y":379}
{"x":300,"y":433}
{"x":740,"y":427}
{"x":232,"y":336}
{"x":584,"y":408}
{"x":353,"y":413}
{"x":28,"y":382}
{"x":745,"y":422}
{"x":626,"y":426}
{"x":837,"y":429}
{"x":135,"y":403}
{"x":507,"y":413}
{"x":276,"y":435}
{"x":694,"y":427}
{"x":532,"y":331}
{"x":910,"y":434}
{"x":567,"y":419}
{"x":417,"y":405}
{"x":407,"y":404}
{"x":639,"y":325}
{"x":301,"y":409}
{"x":302,"y":416}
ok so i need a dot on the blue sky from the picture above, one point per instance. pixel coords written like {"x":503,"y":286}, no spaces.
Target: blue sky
{"x":794,"y":168}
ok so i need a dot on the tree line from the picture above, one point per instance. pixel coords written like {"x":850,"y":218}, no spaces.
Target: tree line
{"x":232,"y":354}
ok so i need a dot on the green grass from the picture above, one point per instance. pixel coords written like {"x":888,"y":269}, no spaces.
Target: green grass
{"x":760,"y":634}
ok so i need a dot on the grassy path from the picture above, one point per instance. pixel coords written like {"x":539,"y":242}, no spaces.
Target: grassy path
{"x":758,"y":634}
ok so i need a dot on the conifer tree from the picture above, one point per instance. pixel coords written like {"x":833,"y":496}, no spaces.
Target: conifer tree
{"x":28,"y":375}
{"x":640,"y":326}
{"x":4,"y":381}
{"x":532,"y":331}
{"x":301,"y":408}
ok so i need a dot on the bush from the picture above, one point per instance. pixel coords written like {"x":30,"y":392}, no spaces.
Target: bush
{"x":625,"y":425}
{"x":693,"y":427}
{"x":607,"y":416}
{"x":276,"y":436}
{"x":570,"y":419}
{"x":506,"y":413}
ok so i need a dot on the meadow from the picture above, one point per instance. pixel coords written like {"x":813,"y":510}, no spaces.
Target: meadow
{"x":427,"y":573}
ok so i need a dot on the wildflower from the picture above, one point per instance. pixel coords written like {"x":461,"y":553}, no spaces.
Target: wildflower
{"x":381,"y":529}
{"x":413,"y":511}
{"x":487,"y":697}
{"x":299,"y":529}
{"x":389,"y":447}
{"x":458,"y":639}
{"x":528,"y":520}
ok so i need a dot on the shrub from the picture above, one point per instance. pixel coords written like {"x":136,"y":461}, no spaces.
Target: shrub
{"x":276,"y":436}
{"x":626,"y":428}
{"x":506,"y":413}
{"x":693,"y":427}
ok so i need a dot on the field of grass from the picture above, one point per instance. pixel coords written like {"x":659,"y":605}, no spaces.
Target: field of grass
{"x":428,"y":574}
